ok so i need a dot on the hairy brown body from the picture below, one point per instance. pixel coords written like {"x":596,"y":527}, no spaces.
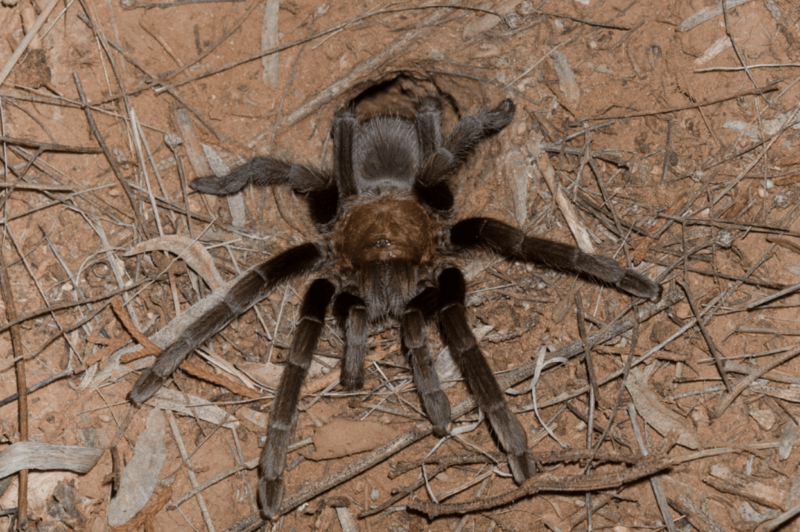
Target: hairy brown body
{"x":388,"y":228}
{"x":385,"y":247}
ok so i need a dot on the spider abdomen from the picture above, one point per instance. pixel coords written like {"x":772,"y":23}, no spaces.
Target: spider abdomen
{"x":386,"y":154}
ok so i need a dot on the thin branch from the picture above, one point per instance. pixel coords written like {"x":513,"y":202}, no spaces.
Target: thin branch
{"x":704,"y":103}
{"x":709,"y":342}
{"x":22,"y":386}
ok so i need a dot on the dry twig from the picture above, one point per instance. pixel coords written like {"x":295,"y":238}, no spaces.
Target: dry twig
{"x":22,"y":385}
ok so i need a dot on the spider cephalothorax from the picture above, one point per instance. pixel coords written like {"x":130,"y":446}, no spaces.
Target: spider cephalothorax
{"x":387,"y":250}
{"x":389,"y":227}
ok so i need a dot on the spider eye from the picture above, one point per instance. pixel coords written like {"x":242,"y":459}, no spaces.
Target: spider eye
{"x":382,"y":243}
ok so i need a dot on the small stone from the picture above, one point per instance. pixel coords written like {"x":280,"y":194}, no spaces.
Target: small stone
{"x":764,"y":417}
{"x":700,"y":414}
{"x":525,"y":8}
{"x":781,"y":201}
{"x":725,"y":238}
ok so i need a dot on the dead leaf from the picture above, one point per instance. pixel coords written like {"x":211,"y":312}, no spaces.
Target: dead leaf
{"x":652,"y":409}
{"x":191,"y":251}
{"x":141,"y":474}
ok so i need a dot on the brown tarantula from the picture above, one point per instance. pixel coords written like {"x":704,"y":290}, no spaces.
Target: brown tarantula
{"x":385,"y":215}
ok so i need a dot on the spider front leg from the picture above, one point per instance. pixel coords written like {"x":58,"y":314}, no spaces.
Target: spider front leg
{"x":351,"y":313}
{"x":457,"y":335}
{"x":283,"y":416}
{"x":251,"y":288}
{"x":514,"y":244}
{"x":415,"y":347}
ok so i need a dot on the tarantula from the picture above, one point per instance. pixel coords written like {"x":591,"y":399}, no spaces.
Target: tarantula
{"x":384,"y":213}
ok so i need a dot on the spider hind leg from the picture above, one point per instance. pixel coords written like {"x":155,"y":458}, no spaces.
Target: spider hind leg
{"x":428,"y":121}
{"x":343,"y":131}
{"x":263,"y":171}
{"x":318,"y":186}
{"x":443,"y":157}
{"x":430,"y":186}
{"x":472,"y":129}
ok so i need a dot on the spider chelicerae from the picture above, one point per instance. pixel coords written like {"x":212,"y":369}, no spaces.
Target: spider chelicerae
{"x":387,"y":251}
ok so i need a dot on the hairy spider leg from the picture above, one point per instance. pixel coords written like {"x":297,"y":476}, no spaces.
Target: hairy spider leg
{"x":473,"y":129}
{"x":283,"y":416}
{"x":251,"y":287}
{"x":514,"y":244}
{"x":351,"y":313}
{"x":343,"y":131}
{"x":428,"y":122}
{"x":442,"y":157}
{"x":430,"y":186}
{"x":414,"y":346}
{"x":318,"y":186}
{"x":457,"y":335}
